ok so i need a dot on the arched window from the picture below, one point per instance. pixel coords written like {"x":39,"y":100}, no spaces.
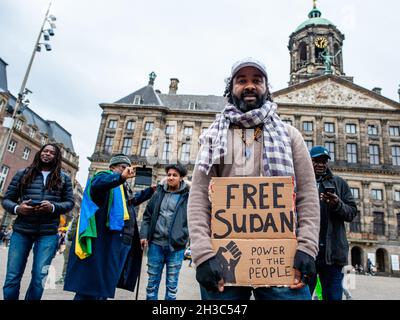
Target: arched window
{"x":303,"y":53}
{"x":337,"y":60}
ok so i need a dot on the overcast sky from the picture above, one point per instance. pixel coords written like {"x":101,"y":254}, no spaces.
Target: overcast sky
{"x":104,"y":50}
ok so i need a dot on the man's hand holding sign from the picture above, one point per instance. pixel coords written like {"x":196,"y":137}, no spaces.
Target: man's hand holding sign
{"x":253,"y":234}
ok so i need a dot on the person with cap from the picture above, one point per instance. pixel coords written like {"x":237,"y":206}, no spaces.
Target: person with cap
{"x":337,"y":206}
{"x":249,"y":139}
{"x":106,"y":252}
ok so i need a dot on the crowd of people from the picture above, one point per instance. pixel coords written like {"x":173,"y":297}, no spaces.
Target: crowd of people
{"x":103,"y":247}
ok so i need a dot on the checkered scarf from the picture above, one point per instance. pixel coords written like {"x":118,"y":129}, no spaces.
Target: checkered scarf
{"x":277,"y":157}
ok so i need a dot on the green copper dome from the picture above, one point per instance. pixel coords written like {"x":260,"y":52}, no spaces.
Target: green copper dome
{"x":314,"y":19}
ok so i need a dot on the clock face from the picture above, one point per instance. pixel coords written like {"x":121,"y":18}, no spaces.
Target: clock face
{"x":321,"y":42}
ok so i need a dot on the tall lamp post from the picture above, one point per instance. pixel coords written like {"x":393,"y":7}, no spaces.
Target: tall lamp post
{"x":8,"y":122}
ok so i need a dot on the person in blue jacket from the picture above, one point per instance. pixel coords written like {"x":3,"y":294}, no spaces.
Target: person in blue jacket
{"x":112,"y":256}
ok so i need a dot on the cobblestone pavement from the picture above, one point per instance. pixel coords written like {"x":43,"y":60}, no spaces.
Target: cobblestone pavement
{"x":361,"y":287}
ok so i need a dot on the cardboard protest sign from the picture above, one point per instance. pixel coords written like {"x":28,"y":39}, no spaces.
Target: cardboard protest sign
{"x":253,"y":208}
{"x":253,"y":229}
{"x":256,"y":262}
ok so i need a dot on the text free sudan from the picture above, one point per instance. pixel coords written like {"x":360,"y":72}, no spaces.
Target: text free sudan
{"x":254,"y":223}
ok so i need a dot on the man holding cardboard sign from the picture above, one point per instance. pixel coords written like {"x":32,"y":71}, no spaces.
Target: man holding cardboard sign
{"x":257,"y":230}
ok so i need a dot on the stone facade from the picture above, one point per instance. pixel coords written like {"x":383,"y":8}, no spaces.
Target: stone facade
{"x":359,"y":126}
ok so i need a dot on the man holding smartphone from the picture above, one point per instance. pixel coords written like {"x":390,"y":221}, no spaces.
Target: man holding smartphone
{"x":337,"y":206}
{"x":38,"y":195}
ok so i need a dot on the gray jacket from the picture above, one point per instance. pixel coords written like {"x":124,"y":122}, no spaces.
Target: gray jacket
{"x":163,"y":226}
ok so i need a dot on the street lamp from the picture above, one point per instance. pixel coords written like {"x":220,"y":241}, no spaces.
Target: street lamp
{"x":8,"y":122}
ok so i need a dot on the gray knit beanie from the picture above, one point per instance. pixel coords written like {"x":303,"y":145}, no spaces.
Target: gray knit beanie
{"x":119,"y":158}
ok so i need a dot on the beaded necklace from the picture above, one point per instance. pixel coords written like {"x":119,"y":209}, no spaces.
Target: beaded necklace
{"x":248,"y":142}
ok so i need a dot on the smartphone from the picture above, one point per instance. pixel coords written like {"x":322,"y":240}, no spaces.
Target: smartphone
{"x":35,"y":203}
{"x":330,"y":189}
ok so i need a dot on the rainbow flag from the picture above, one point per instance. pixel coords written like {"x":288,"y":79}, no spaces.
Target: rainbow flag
{"x":117,"y":213}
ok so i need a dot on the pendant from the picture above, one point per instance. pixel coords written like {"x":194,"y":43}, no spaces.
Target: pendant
{"x":247,"y":152}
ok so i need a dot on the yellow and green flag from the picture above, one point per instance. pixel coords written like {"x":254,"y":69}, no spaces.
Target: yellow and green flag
{"x":117,"y":213}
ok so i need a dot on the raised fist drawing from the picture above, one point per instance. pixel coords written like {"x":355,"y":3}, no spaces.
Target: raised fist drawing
{"x":229,"y":267}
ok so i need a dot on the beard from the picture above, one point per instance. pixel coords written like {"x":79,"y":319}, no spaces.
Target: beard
{"x":49,"y":164}
{"x":244,"y":106}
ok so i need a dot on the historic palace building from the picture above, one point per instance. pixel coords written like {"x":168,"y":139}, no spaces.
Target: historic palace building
{"x":30,"y":133}
{"x":360,"y":127}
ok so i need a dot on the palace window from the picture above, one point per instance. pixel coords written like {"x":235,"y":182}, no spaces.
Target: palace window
{"x":379,"y":223}
{"x":112,"y":124}
{"x":394,"y":131}
{"x":329,"y":127}
{"x":137,"y":100}
{"x":331,"y":148}
{"x":126,"y":146}
{"x":351,"y":128}
{"x":188,"y":131}
{"x":396,"y":195}
{"x":377,"y":194}
{"x":372,"y":130}
{"x":130,"y":125}
{"x":192,"y":105}
{"x":108,"y":144}
{"x":144,"y":150}
{"x":355,"y":192}
{"x":167,"y":151}
{"x":303,"y":52}
{"x":396,"y":155}
{"x":355,"y":225}
{"x":169,"y":129}
{"x":373,"y":154}
{"x":351,"y":153}
{"x":185,"y":152}
{"x":308,"y":126}
{"x":148,"y":126}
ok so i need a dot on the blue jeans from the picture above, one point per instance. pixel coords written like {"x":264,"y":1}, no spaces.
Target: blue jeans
{"x":244,"y":293}
{"x":157,"y":256}
{"x":44,"y":250}
{"x":331,"y":278}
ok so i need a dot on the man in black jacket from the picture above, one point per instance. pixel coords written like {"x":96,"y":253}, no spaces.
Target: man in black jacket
{"x":38,"y":195}
{"x":337,"y":207}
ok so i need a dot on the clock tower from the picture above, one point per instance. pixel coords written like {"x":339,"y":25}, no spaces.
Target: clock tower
{"x":315,"y":49}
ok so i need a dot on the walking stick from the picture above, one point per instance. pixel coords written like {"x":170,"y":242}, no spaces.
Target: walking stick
{"x":140,"y":271}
